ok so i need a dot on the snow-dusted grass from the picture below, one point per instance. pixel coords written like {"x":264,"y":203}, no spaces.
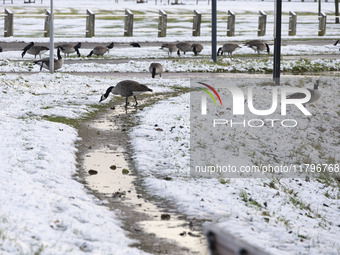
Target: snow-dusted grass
{"x":281,"y":215}
{"x":43,"y":208}
{"x":261,"y":66}
{"x":150,"y":52}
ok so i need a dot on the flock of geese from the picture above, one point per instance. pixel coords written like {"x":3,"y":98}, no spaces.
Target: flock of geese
{"x":257,"y":45}
{"x":155,"y":68}
{"x":67,"y":49}
{"x":129,"y":88}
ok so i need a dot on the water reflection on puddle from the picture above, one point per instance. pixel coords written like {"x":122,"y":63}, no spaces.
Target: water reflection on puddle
{"x":110,"y":180}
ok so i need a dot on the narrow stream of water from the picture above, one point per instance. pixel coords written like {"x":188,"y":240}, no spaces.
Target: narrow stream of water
{"x":110,"y":173}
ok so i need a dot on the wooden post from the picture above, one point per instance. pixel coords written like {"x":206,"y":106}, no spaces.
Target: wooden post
{"x":128,"y":24}
{"x":8,"y":23}
{"x":197,"y":24}
{"x":90,"y":19}
{"x":262,"y":24}
{"x":292,"y":23}
{"x":162,"y":23}
{"x":47,"y":23}
{"x":231,"y":24}
{"x":322,"y":24}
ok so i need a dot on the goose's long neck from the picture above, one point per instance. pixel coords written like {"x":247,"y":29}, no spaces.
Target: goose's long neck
{"x":58,"y":54}
{"x":110,"y":89}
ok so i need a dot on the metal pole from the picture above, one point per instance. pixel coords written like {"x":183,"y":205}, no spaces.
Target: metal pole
{"x":213,"y":31}
{"x":51,"y":39}
{"x":277,"y":41}
{"x":319,"y":8}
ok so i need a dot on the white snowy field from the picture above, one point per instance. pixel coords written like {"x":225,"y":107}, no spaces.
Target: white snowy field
{"x":42,"y":207}
{"x":280,"y":215}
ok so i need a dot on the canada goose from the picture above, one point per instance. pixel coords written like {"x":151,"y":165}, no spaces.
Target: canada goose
{"x":45,"y":62}
{"x":196,"y":48}
{"x":156,"y":68}
{"x":34,"y":50}
{"x":100,"y":50}
{"x":126,"y":89}
{"x":68,"y":48}
{"x":315,"y":94}
{"x":183,"y":46}
{"x":229,"y":48}
{"x":169,"y":47}
{"x":135,"y":45}
{"x":0,"y":49}
{"x":258,"y":46}
{"x":337,"y":43}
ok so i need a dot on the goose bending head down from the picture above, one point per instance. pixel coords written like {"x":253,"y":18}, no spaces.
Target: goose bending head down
{"x":258,"y":46}
{"x":183,"y":46}
{"x":34,"y":50}
{"x":314,"y":93}
{"x":68,"y":48}
{"x":45,"y":62}
{"x":126,"y":89}
{"x":229,"y":48}
{"x":101,"y":50}
{"x":169,"y":47}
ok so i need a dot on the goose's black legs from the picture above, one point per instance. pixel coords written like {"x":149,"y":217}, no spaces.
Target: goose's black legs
{"x":126,"y":102}
{"x":135,"y":100}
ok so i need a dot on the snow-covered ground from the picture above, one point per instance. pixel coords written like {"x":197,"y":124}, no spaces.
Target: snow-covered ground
{"x":281,"y":215}
{"x":43,"y":209}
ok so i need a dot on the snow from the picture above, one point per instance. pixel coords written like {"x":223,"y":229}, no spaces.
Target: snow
{"x":43,"y":207}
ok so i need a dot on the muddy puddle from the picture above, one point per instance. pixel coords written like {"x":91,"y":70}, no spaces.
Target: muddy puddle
{"x":107,"y":170}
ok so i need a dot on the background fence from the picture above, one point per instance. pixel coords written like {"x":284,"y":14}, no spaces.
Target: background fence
{"x":163,"y":23}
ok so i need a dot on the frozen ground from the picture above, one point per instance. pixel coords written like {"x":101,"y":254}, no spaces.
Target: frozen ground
{"x":43,"y":209}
